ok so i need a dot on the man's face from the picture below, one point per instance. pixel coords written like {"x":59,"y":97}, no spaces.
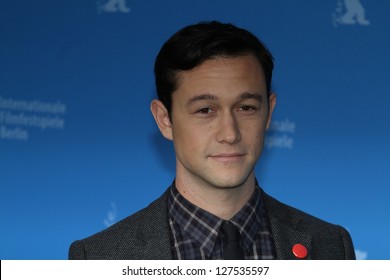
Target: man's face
{"x":219,"y":118}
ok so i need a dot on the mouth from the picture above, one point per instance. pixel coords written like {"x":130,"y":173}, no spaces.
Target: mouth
{"x":228,"y":157}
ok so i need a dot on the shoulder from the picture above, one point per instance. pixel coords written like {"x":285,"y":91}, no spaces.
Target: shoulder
{"x":290,"y":215}
{"x":126,"y":237}
{"x":329,"y":241}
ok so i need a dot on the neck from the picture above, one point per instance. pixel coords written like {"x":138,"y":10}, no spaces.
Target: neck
{"x":223,"y":202}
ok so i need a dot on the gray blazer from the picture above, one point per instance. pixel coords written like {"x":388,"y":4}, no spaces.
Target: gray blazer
{"x":145,"y":235}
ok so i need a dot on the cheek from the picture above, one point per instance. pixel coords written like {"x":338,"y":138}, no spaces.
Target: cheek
{"x":254,"y":128}
{"x":187,"y":137}
{"x":254,"y":136}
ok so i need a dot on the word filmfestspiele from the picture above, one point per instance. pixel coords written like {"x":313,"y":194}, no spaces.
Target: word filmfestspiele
{"x":33,"y":121}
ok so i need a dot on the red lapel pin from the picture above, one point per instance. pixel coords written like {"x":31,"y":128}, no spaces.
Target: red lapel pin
{"x":299,"y":251}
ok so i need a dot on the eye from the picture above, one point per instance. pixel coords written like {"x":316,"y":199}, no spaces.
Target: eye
{"x":205,"y":111}
{"x":247,"y":108}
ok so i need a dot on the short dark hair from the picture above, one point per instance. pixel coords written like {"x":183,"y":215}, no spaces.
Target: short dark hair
{"x":194,"y":44}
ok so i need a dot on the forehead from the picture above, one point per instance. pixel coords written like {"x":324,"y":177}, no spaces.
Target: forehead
{"x":226,"y":65}
{"x":223,"y":74}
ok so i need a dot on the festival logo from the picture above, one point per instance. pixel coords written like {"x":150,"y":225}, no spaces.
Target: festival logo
{"x":19,"y":117}
{"x":349,"y":12}
{"x":111,"y":216}
{"x":112,"y":6}
{"x":361,"y":255}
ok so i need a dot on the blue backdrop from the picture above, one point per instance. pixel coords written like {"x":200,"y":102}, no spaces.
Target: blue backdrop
{"x":79,"y":149}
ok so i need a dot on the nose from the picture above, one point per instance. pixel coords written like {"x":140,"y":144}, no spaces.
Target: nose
{"x":228,"y":130}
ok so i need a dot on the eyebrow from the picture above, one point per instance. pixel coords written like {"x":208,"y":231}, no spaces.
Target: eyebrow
{"x":201,"y":97}
{"x":250,"y":95}
{"x":243,"y":96}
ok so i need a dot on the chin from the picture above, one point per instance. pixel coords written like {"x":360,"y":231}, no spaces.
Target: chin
{"x":229,"y":183}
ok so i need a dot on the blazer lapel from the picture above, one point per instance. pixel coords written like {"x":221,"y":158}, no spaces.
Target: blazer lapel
{"x":285,"y":237}
{"x":155,"y":243}
{"x":285,"y":229}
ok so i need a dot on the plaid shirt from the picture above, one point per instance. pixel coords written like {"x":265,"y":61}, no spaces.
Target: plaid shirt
{"x":195,"y":232}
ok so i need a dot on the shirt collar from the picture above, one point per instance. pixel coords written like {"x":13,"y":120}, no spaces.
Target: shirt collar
{"x":203,"y":227}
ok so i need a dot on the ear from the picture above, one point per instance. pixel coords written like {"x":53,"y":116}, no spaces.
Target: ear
{"x":271,"y":107}
{"x":161,"y":116}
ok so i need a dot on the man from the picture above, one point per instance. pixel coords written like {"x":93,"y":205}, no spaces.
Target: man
{"x":215,"y":103}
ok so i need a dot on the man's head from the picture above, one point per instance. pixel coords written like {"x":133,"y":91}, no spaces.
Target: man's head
{"x":194,"y":44}
{"x":215,"y":103}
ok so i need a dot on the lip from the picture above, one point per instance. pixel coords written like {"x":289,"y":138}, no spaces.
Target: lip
{"x":228,"y":157}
